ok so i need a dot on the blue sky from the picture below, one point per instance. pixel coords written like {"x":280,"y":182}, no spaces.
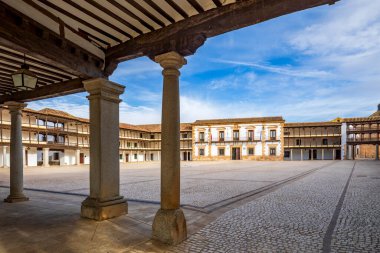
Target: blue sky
{"x":313,"y":65}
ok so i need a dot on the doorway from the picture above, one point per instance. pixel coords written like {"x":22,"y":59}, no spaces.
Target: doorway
{"x":185,"y":156}
{"x":235,"y":153}
{"x":312,"y":154}
{"x":337,"y":154}
{"x":81,"y":158}
{"x":126,"y":158}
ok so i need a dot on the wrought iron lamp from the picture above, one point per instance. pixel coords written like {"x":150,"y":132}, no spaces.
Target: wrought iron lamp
{"x":24,"y":79}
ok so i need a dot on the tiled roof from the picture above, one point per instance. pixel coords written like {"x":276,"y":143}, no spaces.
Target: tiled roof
{"x":362,"y":119}
{"x":312,"y":124}
{"x":157,"y":127}
{"x":239,"y":120}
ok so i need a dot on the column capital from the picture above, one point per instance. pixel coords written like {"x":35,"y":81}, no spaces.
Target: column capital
{"x":171,"y":60}
{"x":104,"y":89}
{"x":14,"y":106}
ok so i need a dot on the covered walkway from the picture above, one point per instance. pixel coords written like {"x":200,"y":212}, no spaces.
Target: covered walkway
{"x":73,"y":47}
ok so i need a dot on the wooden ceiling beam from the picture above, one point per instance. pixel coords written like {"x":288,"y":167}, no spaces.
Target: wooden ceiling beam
{"x":48,"y":91}
{"x":131,"y":14}
{"x":187,"y":35}
{"x":177,"y":8}
{"x":113,"y":15}
{"x":144,"y":11}
{"x":32,"y":66}
{"x":23,"y":34}
{"x":217,"y":3}
{"x":157,"y":8}
{"x":196,"y":6}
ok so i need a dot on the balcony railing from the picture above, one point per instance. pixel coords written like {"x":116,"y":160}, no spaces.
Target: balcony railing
{"x":362,"y":129}
{"x":363,"y":140}
{"x":231,"y":139}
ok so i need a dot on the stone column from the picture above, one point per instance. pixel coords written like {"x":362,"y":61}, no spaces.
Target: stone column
{"x":46,"y":157}
{"x":16,"y":156}
{"x":334,"y":154}
{"x":169,"y":225}
{"x":104,"y":201}
{"x":377,"y":151}
{"x":301,"y":154}
{"x":291,"y":154}
{"x":23,"y":156}
{"x":323,"y":154}
{"x":77,"y":157}
{"x":4,"y":164}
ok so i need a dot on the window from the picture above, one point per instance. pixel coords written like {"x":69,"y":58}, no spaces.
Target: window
{"x":221,"y":136}
{"x":236,"y":135}
{"x":221,"y":152}
{"x":56,"y":156}
{"x":324,"y":142}
{"x":201,"y":136}
{"x":201,"y":152}
{"x":298,"y":142}
{"x":250,"y":135}
{"x":287,"y":154}
{"x":128,"y":144}
{"x":120,"y":156}
{"x":251,"y":151}
{"x":135,"y":145}
{"x":135,"y":156}
{"x":152,"y":136}
{"x":184,"y":136}
{"x":272,"y":151}
{"x":272,"y":134}
{"x":141,"y":135}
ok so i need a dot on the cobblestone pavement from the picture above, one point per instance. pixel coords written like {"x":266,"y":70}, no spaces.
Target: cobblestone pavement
{"x":336,"y":208}
{"x":358,"y":225}
{"x":202,"y":183}
{"x":296,"y":217}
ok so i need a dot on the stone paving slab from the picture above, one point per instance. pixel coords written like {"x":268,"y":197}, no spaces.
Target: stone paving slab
{"x":291,"y":218}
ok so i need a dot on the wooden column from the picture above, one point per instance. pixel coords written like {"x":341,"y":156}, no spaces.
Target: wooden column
{"x":169,"y":225}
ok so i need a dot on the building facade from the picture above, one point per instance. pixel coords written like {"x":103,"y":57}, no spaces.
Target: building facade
{"x":312,"y":141}
{"x":238,"y":139}
{"x":53,"y":137}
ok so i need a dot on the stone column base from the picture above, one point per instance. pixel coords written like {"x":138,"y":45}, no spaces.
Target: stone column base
{"x":14,"y":199}
{"x":169,"y":226}
{"x":102,"y":210}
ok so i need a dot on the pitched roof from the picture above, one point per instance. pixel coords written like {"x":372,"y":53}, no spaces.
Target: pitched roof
{"x":312,"y":124}
{"x":240,"y":120}
{"x":155,"y":128}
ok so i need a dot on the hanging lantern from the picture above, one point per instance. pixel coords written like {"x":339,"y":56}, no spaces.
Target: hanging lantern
{"x":24,"y":79}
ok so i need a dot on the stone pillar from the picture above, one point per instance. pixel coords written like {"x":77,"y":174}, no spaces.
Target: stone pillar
{"x":23,"y":156}
{"x":377,"y":151}
{"x":104,"y":201}
{"x":77,"y":157}
{"x":4,"y":156}
{"x":291,"y":154}
{"x":16,"y":156}
{"x":301,"y":154}
{"x":169,"y":225}
{"x":334,"y":154}
{"x":46,"y":157}
{"x":323,"y":154}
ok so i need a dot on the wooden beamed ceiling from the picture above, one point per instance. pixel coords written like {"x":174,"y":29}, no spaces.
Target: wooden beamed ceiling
{"x":66,"y":41}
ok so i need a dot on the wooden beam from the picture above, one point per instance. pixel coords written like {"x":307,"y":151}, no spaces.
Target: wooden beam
{"x":48,"y":91}
{"x":187,"y":35}
{"x":21,"y":33}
